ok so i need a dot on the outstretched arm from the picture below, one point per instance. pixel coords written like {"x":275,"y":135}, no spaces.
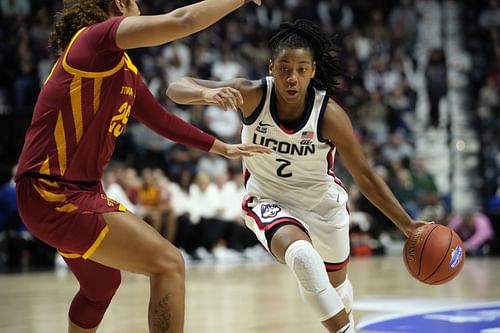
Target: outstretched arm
{"x":338,"y":129}
{"x":237,"y":94}
{"x":149,"y":112}
{"x":144,"y":31}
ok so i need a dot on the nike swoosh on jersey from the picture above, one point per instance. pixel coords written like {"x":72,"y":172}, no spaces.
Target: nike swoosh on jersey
{"x":264,"y":124}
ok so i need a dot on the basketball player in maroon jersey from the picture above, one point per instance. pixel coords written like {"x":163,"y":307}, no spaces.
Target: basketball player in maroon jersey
{"x":83,"y":107}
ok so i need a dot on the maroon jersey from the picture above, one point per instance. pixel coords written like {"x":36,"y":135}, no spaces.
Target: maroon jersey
{"x":86,"y":103}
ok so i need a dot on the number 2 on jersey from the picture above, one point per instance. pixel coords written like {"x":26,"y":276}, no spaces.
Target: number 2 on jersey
{"x":281,"y":169}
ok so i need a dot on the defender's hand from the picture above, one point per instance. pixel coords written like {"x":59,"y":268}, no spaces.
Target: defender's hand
{"x":233,"y":151}
{"x":237,"y":150}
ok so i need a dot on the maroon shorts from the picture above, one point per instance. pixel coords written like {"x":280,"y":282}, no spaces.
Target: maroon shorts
{"x":67,"y":216}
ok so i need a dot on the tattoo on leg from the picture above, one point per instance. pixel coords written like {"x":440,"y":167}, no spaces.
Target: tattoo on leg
{"x":162,"y":315}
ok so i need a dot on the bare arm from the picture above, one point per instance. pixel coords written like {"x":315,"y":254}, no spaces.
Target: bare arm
{"x":237,"y":94}
{"x":337,"y":128}
{"x":143,"y":31}
{"x":149,"y":112}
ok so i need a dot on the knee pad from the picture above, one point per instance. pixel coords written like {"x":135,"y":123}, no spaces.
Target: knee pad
{"x":346,"y":294}
{"x":91,"y":302}
{"x":314,"y":286}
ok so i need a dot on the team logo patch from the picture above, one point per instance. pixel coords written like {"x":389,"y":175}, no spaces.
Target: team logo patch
{"x":269,"y":210}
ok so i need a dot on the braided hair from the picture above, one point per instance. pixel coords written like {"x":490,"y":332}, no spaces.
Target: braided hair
{"x":306,"y":34}
{"x":77,"y":14}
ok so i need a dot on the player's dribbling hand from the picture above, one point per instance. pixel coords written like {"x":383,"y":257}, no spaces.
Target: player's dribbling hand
{"x":415,"y":225}
{"x":225,"y":97}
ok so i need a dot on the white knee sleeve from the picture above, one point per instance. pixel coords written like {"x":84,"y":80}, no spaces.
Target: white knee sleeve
{"x":315,"y":288}
{"x":346,"y":294}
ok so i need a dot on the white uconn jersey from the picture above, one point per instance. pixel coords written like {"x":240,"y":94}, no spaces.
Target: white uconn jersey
{"x":299,"y":171}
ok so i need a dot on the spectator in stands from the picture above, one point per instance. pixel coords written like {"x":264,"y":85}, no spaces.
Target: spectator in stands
{"x":156,"y":204}
{"x":436,"y":84}
{"x":489,"y":100}
{"x":403,"y":23}
{"x":475,"y":230}
{"x":18,"y":8}
{"x":336,"y":15}
{"x":115,"y":190}
{"x":490,"y":17}
{"x":177,"y":60}
{"x":204,"y":198}
{"x":397,"y":149}
{"x":404,"y":189}
{"x":425,"y":186}
{"x":9,"y":217}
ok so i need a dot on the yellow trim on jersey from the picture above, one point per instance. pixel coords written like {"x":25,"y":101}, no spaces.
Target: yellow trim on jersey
{"x":45,"y":168}
{"x":75,"y":91}
{"x":60,"y":138}
{"x":67,"y":208}
{"x":129,"y":63}
{"x":81,"y":73}
{"x":96,"y":244}
{"x":97,"y":93}
{"x":49,"y":196}
{"x":48,"y":182}
{"x":51,"y":71}
{"x":70,"y":255}
{"x":121,"y":208}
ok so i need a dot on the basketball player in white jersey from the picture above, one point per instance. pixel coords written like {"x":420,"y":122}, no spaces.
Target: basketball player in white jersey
{"x":295,"y":204}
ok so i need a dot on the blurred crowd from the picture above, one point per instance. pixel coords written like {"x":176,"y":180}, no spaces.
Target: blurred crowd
{"x":193,"y":198}
{"x":483,"y":43}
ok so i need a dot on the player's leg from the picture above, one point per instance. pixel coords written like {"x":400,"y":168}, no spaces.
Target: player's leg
{"x":134,"y":246}
{"x":331,"y":240}
{"x":343,"y":286}
{"x":98,"y":284}
{"x":291,"y":245}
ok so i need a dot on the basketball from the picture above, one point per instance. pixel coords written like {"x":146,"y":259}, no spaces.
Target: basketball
{"x":434,"y":254}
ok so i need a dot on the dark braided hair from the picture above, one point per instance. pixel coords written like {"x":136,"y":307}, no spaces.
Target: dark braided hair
{"x":77,"y":14}
{"x":308,"y":35}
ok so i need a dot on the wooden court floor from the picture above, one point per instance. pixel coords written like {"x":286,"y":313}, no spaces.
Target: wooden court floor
{"x":246,"y":298}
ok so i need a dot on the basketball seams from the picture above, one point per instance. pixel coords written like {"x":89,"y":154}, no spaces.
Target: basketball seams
{"x":457,"y":269}
{"x":442,"y":260}
{"x":423,"y":247}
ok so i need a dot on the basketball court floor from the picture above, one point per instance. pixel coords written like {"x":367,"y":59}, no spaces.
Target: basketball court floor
{"x":263,"y":298}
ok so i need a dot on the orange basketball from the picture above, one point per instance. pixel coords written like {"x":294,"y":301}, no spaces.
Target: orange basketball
{"x":434,"y":254}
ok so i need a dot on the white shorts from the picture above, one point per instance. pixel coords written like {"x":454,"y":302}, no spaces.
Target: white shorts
{"x":329,"y":237}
